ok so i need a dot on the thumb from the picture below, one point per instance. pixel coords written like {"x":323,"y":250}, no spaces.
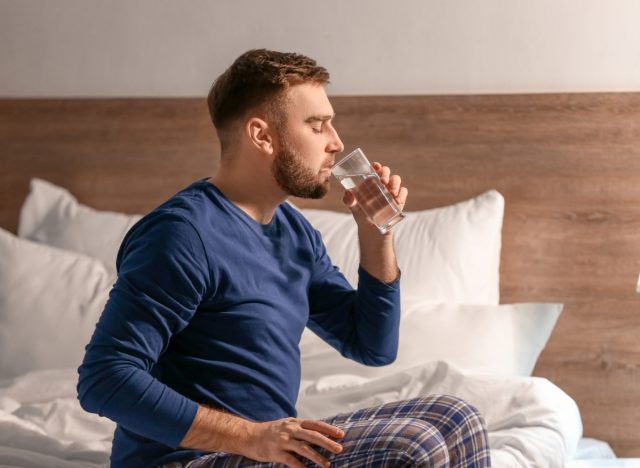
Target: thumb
{"x":349,"y":199}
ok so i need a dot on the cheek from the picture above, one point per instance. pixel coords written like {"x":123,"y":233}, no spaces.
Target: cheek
{"x":309,"y":146}
{"x":300,"y":144}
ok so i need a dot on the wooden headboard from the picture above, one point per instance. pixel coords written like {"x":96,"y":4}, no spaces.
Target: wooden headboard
{"x":568,"y":166}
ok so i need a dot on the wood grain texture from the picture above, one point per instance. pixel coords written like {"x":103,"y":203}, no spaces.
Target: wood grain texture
{"x":123,"y":155}
{"x":568,"y":166}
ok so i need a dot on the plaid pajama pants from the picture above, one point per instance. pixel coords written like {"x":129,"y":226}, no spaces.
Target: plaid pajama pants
{"x":434,"y":431}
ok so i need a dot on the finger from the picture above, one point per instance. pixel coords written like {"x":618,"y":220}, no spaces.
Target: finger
{"x":291,"y":461}
{"x":401,"y":199}
{"x":305,"y":450}
{"x":378,"y":168}
{"x":394,"y":185}
{"x":384,"y":174}
{"x":323,"y":427}
{"x":318,"y":439}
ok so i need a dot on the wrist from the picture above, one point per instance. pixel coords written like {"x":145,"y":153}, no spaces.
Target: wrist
{"x":214,"y":430}
{"x":245,"y":436}
{"x":372,"y":241}
{"x":368,"y":230}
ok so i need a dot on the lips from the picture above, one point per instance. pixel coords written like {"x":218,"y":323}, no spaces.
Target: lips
{"x":327,"y":168}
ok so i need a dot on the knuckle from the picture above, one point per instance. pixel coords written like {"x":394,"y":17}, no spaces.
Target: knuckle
{"x":291,"y":426}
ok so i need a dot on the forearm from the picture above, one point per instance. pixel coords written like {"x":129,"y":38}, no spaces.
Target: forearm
{"x":213,"y":430}
{"x":133,"y":398}
{"x":377,"y":254}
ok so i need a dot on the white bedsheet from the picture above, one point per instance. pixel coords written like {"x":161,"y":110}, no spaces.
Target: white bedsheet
{"x":42,"y":423}
{"x":531,"y":422}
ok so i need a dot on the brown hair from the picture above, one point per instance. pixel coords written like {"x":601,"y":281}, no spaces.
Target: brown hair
{"x":259,"y":79}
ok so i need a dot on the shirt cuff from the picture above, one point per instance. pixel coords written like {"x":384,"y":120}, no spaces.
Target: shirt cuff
{"x":372,"y":281}
{"x":183,"y":425}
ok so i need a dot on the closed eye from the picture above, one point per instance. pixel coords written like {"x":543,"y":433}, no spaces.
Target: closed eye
{"x":318,"y":122}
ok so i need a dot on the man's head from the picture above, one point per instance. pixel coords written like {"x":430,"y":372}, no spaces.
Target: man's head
{"x":257,"y":81}
{"x":276,"y":101}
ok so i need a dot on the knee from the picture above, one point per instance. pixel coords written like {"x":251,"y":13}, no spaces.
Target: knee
{"x":418,"y":441}
{"x":459,"y":412}
{"x":465,"y":433}
{"x":461,"y":426}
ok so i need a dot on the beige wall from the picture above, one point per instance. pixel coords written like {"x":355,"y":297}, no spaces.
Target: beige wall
{"x":103,"y":48}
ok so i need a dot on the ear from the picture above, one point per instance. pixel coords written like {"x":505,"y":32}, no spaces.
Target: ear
{"x":260,"y":134}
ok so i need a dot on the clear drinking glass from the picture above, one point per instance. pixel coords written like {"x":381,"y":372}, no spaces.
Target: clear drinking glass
{"x":356,"y":174}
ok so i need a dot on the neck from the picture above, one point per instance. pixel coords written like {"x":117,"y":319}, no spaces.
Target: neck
{"x":252,"y":189}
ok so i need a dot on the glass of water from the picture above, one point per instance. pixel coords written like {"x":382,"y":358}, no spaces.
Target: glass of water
{"x":356,"y":174}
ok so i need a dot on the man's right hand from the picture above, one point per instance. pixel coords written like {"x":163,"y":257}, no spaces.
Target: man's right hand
{"x":277,"y":441}
{"x":213,"y":430}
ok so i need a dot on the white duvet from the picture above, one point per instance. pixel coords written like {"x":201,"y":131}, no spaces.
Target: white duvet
{"x":532,"y":423}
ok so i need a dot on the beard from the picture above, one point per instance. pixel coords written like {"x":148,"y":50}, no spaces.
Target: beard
{"x":294,"y":177}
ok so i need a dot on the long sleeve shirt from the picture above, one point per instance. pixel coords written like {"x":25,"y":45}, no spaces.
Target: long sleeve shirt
{"x":208,"y":307}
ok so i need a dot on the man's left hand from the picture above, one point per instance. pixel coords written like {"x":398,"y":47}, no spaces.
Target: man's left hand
{"x":393,"y":185}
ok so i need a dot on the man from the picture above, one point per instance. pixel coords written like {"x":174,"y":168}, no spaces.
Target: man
{"x":196,"y":353}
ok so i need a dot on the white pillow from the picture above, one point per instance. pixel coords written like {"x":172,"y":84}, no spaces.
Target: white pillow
{"x":51,"y":215}
{"x":448,"y":254}
{"x":50,"y":301}
{"x":504,"y":339}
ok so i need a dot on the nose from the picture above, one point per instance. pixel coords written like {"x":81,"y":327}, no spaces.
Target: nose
{"x":335,"y":144}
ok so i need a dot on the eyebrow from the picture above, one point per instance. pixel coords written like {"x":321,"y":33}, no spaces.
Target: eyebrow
{"x":319,"y":118}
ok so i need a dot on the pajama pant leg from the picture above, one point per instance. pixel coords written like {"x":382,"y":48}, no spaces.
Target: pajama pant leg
{"x":433,"y":431}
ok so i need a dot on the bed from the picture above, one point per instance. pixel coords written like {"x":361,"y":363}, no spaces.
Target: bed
{"x":525,"y":205}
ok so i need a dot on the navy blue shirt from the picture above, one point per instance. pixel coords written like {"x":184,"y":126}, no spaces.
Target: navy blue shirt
{"x":209,"y":307}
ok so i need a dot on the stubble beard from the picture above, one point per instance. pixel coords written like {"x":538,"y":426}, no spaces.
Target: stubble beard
{"x":294,"y":177}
